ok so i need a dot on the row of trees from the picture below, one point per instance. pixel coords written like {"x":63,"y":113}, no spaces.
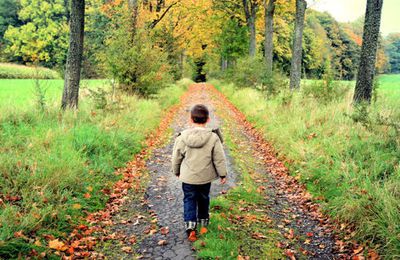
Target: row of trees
{"x":145,"y":43}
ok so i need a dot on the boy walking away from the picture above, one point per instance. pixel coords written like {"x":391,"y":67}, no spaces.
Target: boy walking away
{"x":198,"y":158}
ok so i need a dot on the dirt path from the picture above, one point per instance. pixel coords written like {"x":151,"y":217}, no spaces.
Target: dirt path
{"x":307,"y":232}
{"x":165,"y":195}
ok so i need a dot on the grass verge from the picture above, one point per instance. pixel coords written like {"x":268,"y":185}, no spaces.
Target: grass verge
{"x":352,"y":168}
{"x":55,"y":168}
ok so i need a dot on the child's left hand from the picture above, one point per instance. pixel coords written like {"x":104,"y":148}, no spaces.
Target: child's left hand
{"x":223,"y":180}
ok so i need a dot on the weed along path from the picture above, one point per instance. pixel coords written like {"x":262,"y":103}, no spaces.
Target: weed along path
{"x":261,"y":213}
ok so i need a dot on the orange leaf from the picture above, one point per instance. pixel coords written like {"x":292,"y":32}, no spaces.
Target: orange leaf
{"x":87,"y":195}
{"x":203,"y":230}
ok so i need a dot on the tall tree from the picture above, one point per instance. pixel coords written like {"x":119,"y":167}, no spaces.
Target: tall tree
{"x":366,"y":70}
{"x":250,"y":10}
{"x":74,"y":59}
{"x":295,"y":69}
{"x":269,"y":30}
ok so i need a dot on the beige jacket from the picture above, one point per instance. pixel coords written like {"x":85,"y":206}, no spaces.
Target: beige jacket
{"x":198,"y":156}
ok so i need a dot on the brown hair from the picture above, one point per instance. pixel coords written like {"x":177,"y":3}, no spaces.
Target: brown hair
{"x":199,"y":114}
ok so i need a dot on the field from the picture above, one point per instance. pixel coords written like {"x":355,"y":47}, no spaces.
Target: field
{"x":348,"y":159}
{"x":21,"y":92}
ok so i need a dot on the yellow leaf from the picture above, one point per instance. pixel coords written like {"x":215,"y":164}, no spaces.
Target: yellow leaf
{"x":77,"y":206}
{"x":57,"y":245}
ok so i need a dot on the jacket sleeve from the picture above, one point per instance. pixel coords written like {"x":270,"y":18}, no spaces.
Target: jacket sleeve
{"x":219,"y":159}
{"x":177,"y":157}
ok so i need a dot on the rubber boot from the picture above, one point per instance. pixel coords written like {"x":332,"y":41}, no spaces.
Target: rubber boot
{"x":203,"y":223}
{"x":191,"y":230}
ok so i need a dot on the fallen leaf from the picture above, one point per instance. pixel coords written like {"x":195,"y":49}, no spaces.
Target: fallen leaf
{"x":258,"y":236}
{"x":76,"y":206}
{"x":372,"y":255}
{"x":57,"y":245}
{"x":126,"y":249}
{"x":203,"y":230}
{"x":162,"y":242}
{"x":164,"y":230}
{"x":358,"y":250}
{"x":291,"y":234}
{"x":87,"y":195}
{"x":290,"y":253}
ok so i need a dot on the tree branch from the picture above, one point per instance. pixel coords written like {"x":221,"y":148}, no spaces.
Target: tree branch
{"x":156,"y":21}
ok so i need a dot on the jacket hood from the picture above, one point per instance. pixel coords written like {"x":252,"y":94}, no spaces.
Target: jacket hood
{"x":196,"y":137}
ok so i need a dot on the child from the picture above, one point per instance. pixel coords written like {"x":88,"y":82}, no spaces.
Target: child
{"x":198,"y":158}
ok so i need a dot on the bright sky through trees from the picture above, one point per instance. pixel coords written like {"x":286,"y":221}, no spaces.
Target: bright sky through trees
{"x":350,"y":10}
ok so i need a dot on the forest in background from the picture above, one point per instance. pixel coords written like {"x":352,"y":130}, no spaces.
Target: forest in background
{"x":181,"y":36}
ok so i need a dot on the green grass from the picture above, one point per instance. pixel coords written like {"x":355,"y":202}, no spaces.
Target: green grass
{"x":388,"y":88}
{"x":353,"y":170}
{"x":45,"y":154}
{"x":21,"y":92}
{"x":14,"y":71}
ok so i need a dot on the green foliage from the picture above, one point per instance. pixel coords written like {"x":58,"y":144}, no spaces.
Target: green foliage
{"x":248,"y":72}
{"x":8,"y":15}
{"x":352,"y":169}
{"x":134,"y":60}
{"x":393,"y":52}
{"x":326,"y":90}
{"x":96,"y":31}
{"x":13,"y":71}
{"x":344,"y":52}
{"x":44,"y":155}
{"x":233,"y":40}
{"x":251,"y":72}
{"x":43,"y":36}
{"x":139,"y":67}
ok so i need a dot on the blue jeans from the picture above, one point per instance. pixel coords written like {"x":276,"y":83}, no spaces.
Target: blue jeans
{"x":196,"y":201}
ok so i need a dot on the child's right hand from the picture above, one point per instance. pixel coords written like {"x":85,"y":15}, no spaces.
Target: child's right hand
{"x":223,"y":180}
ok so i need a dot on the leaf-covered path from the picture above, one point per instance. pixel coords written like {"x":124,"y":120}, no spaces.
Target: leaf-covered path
{"x":155,"y":225}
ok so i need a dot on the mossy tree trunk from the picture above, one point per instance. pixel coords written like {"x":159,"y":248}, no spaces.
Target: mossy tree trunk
{"x":295,"y":68}
{"x":366,"y":70}
{"x":74,"y":58}
{"x":269,"y":31}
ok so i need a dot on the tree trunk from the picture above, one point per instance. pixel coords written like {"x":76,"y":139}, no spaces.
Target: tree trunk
{"x":74,"y":58}
{"x":366,"y":70}
{"x":134,"y":6}
{"x":250,"y":11}
{"x":295,"y":68}
{"x":269,"y":31}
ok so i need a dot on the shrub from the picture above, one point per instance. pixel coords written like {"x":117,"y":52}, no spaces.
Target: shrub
{"x":13,"y":71}
{"x":325,"y":90}
{"x":138,"y":65}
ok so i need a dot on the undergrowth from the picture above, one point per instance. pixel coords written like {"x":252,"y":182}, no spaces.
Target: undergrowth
{"x":54,"y":167}
{"x":348,"y":158}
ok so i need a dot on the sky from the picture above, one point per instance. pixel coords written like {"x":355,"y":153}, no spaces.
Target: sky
{"x":350,"y":10}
